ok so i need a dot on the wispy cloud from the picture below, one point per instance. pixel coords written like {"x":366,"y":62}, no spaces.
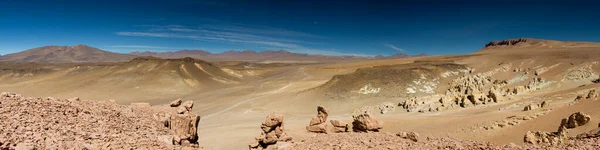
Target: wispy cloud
{"x":395,"y":48}
{"x":265,"y":36}
{"x":140,"y":47}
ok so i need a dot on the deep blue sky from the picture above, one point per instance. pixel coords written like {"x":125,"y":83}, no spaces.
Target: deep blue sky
{"x":324,"y":27}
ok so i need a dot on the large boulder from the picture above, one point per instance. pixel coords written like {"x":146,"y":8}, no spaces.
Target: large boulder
{"x":366,"y":122}
{"x":577,"y":119}
{"x":319,"y":123}
{"x":185,"y":128}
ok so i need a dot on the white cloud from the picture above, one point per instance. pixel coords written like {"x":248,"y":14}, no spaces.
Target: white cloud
{"x":395,"y":48}
{"x":267,"y":37}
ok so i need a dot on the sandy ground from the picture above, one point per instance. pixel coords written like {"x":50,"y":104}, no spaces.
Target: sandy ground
{"x":231,"y":115}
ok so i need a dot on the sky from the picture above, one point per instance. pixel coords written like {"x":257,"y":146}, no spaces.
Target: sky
{"x":333,"y":27}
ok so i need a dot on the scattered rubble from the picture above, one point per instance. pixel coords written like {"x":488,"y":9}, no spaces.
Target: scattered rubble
{"x":52,"y":123}
{"x":272,"y":132}
{"x":319,"y":123}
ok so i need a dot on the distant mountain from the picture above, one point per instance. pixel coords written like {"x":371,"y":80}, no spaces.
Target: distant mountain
{"x":66,"y":54}
{"x":400,"y":55}
{"x":246,"y":55}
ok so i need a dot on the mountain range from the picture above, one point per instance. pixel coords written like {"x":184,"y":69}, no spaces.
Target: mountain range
{"x":84,"y":53}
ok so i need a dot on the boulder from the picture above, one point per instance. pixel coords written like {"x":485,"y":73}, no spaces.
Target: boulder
{"x":530,"y":107}
{"x":544,"y":104}
{"x":577,"y":119}
{"x":409,"y":135}
{"x":188,"y":105}
{"x":319,"y":128}
{"x":366,"y":122}
{"x":579,"y":97}
{"x":592,"y":94}
{"x":175,"y":103}
{"x":318,"y":124}
{"x":272,"y":132}
{"x":185,"y":127}
{"x":339,"y":126}
{"x":540,"y":137}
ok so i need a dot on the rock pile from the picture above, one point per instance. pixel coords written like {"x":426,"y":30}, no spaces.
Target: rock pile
{"x":51,"y":123}
{"x":319,"y":123}
{"x":272,"y":132}
{"x":366,"y":122}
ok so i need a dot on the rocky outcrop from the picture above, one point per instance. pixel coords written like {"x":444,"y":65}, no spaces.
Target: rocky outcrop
{"x":409,"y":135}
{"x":319,"y":123}
{"x":560,"y":136}
{"x":508,"y":42}
{"x":182,"y":123}
{"x":185,"y":129}
{"x":339,"y":126}
{"x":366,"y":122}
{"x":272,"y":132}
{"x":576,"y":119}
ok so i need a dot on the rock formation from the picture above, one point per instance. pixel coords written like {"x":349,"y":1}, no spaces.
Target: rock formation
{"x":592,"y":94}
{"x":409,"y":135}
{"x":182,"y":123}
{"x":559,"y":137}
{"x":339,"y":126}
{"x":508,"y":42}
{"x":272,"y":132}
{"x":577,"y":119}
{"x":387,"y":107}
{"x":366,"y":122}
{"x":319,"y":123}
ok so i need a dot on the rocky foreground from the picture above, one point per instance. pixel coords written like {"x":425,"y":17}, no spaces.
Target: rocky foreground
{"x":49,"y":123}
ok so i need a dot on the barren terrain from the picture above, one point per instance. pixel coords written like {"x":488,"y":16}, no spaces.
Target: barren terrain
{"x":476,"y":100}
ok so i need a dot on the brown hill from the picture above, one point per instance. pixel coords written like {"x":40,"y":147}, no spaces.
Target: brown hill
{"x":531,"y":43}
{"x":66,"y":54}
{"x":246,"y":55}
